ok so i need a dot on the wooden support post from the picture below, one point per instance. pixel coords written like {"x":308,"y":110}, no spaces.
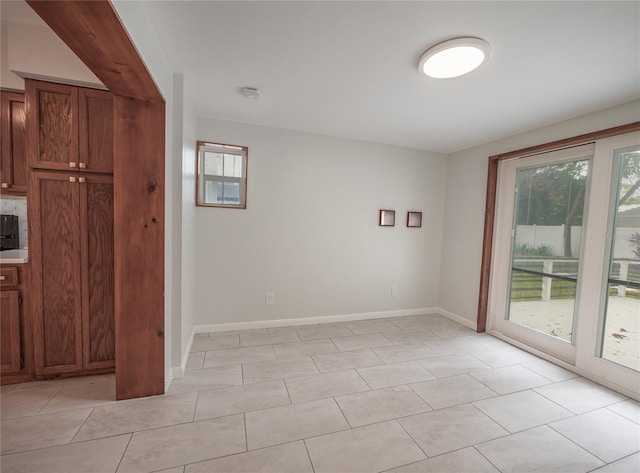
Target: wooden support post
{"x":139,"y":136}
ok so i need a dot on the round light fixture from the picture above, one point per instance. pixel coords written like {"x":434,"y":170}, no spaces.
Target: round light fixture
{"x":454,"y":58}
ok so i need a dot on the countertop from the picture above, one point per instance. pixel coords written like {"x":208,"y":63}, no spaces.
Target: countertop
{"x":14,"y":256}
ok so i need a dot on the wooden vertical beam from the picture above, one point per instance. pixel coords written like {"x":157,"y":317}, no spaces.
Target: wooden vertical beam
{"x":487,"y":244}
{"x":139,"y":194}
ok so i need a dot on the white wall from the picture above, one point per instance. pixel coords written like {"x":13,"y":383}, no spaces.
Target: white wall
{"x":174,"y":170}
{"x":466,"y":196}
{"x":35,"y":51}
{"x":188,"y":310}
{"x":310,"y":231}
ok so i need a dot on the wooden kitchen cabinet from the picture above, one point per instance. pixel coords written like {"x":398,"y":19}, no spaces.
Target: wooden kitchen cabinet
{"x":12,"y":333}
{"x":71,"y":255}
{"x":13,"y":158}
{"x":95,"y":130}
{"x":69,"y":128}
{"x":10,"y":347}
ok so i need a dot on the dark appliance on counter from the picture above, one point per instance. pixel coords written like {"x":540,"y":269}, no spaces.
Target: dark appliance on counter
{"x":9,"y":239}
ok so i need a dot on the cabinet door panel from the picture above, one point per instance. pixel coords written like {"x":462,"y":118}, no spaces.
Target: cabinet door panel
{"x":52,"y":114}
{"x":55,"y":256}
{"x":14,"y":160}
{"x":96,"y":204}
{"x":96,"y":131}
{"x":9,"y":332}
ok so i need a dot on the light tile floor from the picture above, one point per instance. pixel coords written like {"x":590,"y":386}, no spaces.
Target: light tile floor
{"x":410,"y":394}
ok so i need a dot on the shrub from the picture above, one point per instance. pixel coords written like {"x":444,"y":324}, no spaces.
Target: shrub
{"x":634,"y":242}
{"x":523,"y":249}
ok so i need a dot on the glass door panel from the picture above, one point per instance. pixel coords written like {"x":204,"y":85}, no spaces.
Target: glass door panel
{"x":546,"y":247}
{"x":619,"y":340}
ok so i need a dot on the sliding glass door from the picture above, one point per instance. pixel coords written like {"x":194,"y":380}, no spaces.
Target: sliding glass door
{"x":618,"y":337}
{"x":542,"y":209}
{"x":566,"y":256}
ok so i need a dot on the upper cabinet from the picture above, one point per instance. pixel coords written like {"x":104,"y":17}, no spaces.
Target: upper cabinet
{"x":13,"y":160}
{"x":96,"y":130}
{"x":70,"y":128}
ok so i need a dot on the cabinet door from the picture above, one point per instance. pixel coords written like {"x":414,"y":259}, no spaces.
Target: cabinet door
{"x":96,"y":223}
{"x":13,"y":161}
{"x":96,"y":131}
{"x":52,"y":117}
{"x":54,"y":250}
{"x":9,"y":332}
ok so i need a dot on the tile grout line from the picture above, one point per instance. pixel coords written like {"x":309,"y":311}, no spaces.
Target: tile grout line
{"x":81,"y":425}
{"x":246,"y":435}
{"x":576,"y":444}
{"x":195,"y":407}
{"x":49,"y":401}
{"x":411,"y":436}
{"x":306,"y":447}
{"x":342,"y":412}
{"x":617,"y":413}
{"x":363,"y":380}
{"x":124,"y":452}
{"x":483,"y":456}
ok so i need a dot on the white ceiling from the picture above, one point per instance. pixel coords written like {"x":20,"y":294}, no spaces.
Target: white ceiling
{"x":349,"y":69}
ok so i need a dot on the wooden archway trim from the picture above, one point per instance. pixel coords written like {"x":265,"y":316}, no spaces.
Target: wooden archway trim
{"x":492,"y":188}
{"x":92,"y":30}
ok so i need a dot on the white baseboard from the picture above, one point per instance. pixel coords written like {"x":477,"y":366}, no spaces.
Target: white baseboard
{"x":178,"y":371}
{"x":324,"y":319}
{"x":168,"y":378}
{"x":456,"y":318}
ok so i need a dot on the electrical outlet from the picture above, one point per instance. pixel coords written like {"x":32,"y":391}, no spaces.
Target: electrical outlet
{"x":270,"y":298}
{"x":394,"y":291}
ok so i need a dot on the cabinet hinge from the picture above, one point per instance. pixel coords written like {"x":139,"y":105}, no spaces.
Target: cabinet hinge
{"x":20,"y":300}
{"x":21,"y":361}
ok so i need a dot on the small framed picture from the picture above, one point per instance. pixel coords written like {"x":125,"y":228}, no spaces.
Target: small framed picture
{"x":414,"y":219}
{"x":387,"y":218}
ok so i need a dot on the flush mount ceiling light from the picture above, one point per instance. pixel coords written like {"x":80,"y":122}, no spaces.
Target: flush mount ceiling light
{"x":454,"y":58}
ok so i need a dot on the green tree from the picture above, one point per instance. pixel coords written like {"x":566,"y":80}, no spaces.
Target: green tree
{"x":553,"y":195}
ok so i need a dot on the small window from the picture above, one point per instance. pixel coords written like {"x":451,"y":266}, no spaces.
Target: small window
{"x":222,"y":175}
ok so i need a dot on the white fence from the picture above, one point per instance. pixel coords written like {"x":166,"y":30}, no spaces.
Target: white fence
{"x":547,"y":267}
{"x":553,"y":236}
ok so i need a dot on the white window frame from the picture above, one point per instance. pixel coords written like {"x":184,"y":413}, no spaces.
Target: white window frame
{"x":202,"y":179}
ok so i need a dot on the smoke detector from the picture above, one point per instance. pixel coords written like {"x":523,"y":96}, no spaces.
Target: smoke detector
{"x":251,"y":93}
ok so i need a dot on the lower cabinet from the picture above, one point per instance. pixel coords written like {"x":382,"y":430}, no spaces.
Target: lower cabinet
{"x":11,"y":319}
{"x":10,"y":346}
{"x":71,"y":256}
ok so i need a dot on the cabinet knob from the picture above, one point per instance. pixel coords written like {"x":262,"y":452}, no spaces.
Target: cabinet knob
{"x":82,"y":165}
{"x":5,"y":185}
{"x":72,"y":164}
{"x":81,"y":179}
{"x":2,"y":278}
{"x":72,"y":179}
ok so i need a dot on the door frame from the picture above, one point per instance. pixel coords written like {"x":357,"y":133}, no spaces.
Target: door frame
{"x":93,"y":31}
